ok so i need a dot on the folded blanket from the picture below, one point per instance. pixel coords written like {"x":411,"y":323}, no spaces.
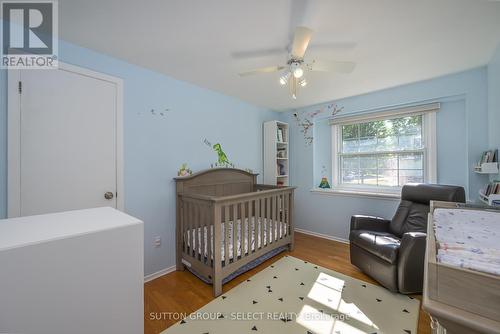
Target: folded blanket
{"x":491,"y":266}
{"x":468,"y":239}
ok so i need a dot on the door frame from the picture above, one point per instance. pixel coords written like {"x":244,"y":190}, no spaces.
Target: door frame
{"x":14,"y":135}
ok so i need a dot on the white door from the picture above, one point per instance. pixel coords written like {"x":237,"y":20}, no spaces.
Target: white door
{"x":68,"y":141}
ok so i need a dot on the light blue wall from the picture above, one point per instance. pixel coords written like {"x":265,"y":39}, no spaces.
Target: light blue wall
{"x":462,"y":134}
{"x":155,"y":146}
{"x":494,"y":101}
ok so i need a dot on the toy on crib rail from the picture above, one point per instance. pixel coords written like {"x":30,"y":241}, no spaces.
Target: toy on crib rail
{"x":184,"y":170}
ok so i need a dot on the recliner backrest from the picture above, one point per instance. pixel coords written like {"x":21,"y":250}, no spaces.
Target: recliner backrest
{"x":411,"y":215}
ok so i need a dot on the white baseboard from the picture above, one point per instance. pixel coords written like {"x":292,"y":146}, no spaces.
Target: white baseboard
{"x":321,"y":235}
{"x":157,"y":274}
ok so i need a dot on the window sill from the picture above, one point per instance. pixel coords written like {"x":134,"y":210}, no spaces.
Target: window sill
{"x":356,"y":193}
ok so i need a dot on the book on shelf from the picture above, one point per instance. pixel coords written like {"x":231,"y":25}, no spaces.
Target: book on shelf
{"x":280,"y":169}
{"x":489,"y":156}
{"x":492,"y":188}
{"x":281,"y":153}
{"x":280,"y":135}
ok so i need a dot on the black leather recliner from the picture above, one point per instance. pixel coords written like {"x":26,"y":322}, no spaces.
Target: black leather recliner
{"x":392,"y":251}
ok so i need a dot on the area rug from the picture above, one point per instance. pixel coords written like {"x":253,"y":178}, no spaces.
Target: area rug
{"x":294,"y":296}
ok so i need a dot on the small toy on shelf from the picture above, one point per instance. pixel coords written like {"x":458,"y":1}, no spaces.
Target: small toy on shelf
{"x":184,"y":170}
{"x":324,"y":183}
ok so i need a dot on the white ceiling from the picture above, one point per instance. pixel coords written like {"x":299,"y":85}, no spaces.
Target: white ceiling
{"x":393,"y":41}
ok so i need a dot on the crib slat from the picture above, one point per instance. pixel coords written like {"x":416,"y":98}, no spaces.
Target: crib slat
{"x":226,"y":235}
{"x":199,"y":232}
{"x":243,"y":238}
{"x":193,"y":228}
{"x":276,"y":218}
{"x":202,"y":231}
{"x":271,"y":222}
{"x":210,"y":225}
{"x":291,"y":218}
{"x":285,"y":214}
{"x":251,"y":236}
{"x":262,"y":205}
{"x":287,"y":205}
{"x":278,"y":215}
{"x":257,"y":234}
{"x":183,"y":225}
{"x":268,"y":220}
{"x":189,"y":228}
{"x":248,"y":219}
{"x":203,"y":215}
{"x":273,"y":217}
{"x":196,"y":223}
{"x":216,"y":213}
{"x":263,"y":222}
{"x":281,"y":214}
{"x":235,"y":231}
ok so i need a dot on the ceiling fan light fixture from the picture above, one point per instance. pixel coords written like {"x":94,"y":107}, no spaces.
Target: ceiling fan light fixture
{"x":298,"y":72}
{"x":293,"y":70}
{"x":284,"y":79}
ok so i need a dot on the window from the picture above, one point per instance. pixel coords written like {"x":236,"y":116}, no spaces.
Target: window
{"x":384,"y":153}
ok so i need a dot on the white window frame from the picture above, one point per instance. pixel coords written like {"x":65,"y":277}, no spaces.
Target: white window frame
{"x":428,"y":113}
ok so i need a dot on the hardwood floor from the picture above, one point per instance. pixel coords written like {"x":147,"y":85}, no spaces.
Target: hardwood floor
{"x":182,"y":292}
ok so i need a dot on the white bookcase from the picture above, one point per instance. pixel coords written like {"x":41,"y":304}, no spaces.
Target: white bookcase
{"x":276,"y":153}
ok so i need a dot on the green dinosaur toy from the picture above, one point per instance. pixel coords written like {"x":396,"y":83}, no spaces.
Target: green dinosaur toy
{"x":222,"y":156}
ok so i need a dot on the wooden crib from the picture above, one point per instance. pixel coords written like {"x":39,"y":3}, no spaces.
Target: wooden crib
{"x":225,"y":220}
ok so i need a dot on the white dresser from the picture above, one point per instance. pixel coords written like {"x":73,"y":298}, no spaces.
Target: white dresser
{"x":72,"y":272}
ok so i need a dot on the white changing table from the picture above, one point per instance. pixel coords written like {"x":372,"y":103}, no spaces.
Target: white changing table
{"x":459,"y":300}
{"x":72,"y":272}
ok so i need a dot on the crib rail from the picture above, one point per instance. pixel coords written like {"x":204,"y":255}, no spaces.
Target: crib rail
{"x":218,"y":235}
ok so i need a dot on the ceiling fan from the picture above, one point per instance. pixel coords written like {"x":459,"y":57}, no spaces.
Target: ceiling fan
{"x":295,"y":67}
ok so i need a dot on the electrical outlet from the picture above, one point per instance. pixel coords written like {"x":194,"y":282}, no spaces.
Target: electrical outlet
{"x":157,"y":242}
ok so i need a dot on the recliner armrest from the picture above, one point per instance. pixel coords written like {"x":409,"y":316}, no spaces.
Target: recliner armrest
{"x":411,"y":262}
{"x":360,"y":222}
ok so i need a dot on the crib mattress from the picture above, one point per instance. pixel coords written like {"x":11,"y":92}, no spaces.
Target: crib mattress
{"x":242,"y":240}
{"x":468,"y":239}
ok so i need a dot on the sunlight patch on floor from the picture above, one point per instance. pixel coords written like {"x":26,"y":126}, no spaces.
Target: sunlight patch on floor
{"x":327,"y":290}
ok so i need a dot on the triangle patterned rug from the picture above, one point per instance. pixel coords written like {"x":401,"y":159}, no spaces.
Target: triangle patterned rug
{"x":294,"y":296}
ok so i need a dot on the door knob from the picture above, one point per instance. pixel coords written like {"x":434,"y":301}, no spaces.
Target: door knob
{"x":108,"y":195}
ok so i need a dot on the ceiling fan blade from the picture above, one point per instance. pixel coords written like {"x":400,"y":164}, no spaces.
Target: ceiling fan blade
{"x":268,"y":69}
{"x":300,"y":42}
{"x":259,"y":53}
{"x":332,"y":46}
{"x":331,"y":66}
